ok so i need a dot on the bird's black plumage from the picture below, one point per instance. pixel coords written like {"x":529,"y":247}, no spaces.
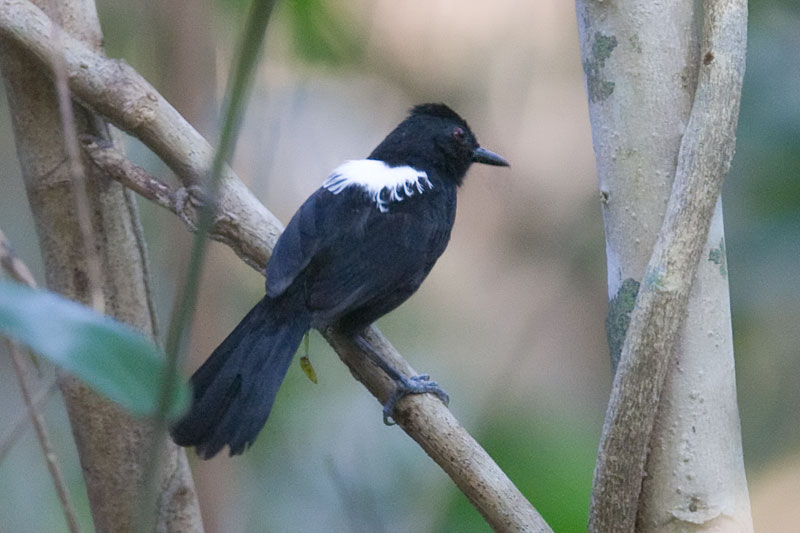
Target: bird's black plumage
{"x":357,"y":248}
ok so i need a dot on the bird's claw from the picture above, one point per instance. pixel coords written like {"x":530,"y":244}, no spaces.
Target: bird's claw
{"x":184,"y":198}
{"x":414,"y":385}
{"x":193,"y":195}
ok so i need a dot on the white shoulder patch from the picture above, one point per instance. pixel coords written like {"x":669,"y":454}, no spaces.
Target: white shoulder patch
{"x":383,"y":183}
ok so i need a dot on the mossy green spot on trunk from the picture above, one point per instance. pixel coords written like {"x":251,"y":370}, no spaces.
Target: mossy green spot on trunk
{"x":718,"y":256}
{"x":599,"y":89}
{"x":619,"y":318}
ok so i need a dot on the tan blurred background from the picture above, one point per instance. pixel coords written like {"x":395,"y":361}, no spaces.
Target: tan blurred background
{"x":510,"y":322}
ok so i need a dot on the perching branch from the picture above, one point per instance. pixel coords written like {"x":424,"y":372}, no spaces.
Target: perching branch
{"x":423,"y":417}
{"x":115,"y":90}
{"x":704,"y":159}
{"x":429,"y":422}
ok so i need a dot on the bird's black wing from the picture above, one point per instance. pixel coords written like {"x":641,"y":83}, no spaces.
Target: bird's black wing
{"x":380,"y":260}
{"x":311,"y":228}
{"x":357,"y":261}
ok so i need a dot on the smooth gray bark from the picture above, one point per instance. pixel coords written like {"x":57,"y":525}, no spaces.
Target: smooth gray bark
{"x":664,"y":80}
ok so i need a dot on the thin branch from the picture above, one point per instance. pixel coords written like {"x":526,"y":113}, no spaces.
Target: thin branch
{"x":17,"y":428}
{"x":44,"y":439}
{"x":431,"y":424}
{"x":183,"y":202}
{"x":703,"y":161}
{"x":94,"y":274}
{"x":13,"y":265}
{"x":115,"y":90}
{"x":19,"y":271}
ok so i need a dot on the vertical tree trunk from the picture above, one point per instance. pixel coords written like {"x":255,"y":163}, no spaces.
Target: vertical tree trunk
{"x":641,"y":59}
{"x":110,"y":443}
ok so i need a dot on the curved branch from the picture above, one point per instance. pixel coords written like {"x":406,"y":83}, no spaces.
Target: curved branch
{"x":704,"y":159}
{"x":115,"y":90}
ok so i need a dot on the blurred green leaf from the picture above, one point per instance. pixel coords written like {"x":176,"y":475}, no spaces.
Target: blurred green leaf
{"x":322,"y":34}
{"x":550,"y":460}
{"x":111,"y":357}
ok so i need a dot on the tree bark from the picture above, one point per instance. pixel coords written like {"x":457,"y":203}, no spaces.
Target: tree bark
{"x":642,"y":61}
{"x":110,"y":443}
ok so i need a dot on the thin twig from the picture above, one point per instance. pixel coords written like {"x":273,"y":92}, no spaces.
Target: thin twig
{"x":13,"y":264}
{"x":114,"y":162}
{"x":44,"y":439}
{"x":19,"y":271}
{"x":17,"y":428}
{"x":116,"y":91}
{"x":703,"y":161}
{"x":77,"y":173}
{"x":183,"y":202}
{"x":431,"y":424}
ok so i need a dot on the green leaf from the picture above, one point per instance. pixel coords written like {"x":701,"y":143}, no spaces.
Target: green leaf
{"x":109,"y":356}
{"x":323,"y":33}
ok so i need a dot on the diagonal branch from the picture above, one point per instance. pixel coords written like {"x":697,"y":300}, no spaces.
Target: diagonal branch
{"x":704,"y":159}
{"x":16,"y":429}
{"x":44,"y":438}
{"x":13,"y":265}
{"x":115,"y":90}
{"x":183,"y":201}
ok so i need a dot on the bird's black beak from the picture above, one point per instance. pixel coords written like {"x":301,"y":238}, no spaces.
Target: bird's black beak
{"x":487,"y":157}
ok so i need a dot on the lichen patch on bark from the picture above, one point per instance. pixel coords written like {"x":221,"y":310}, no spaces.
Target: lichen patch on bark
{"x":619,"y":317}
{"x":718,"y":256}
{"x":602,"y":45}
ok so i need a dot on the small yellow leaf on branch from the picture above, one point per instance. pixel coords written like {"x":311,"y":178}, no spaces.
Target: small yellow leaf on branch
{"x":308,"y":370}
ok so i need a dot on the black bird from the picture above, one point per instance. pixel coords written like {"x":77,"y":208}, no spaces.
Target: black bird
{"x":356,"y":249}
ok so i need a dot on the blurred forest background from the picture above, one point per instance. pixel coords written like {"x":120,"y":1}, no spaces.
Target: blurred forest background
{"x":510,"y":322}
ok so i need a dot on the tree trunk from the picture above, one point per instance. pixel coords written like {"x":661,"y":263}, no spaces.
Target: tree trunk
{"x":111,"y":444}
{"x":641,"y":63}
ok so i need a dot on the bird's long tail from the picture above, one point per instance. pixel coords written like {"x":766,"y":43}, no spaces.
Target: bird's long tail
{"x":234,"y":389}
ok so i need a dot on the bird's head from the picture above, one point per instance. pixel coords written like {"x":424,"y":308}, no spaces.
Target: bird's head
{"x":435,"y":138}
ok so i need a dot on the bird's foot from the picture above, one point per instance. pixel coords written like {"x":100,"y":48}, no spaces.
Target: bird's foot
{"x":415,"y":385}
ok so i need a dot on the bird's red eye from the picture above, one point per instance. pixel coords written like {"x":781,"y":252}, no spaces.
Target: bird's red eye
{"x":459,"y":134}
